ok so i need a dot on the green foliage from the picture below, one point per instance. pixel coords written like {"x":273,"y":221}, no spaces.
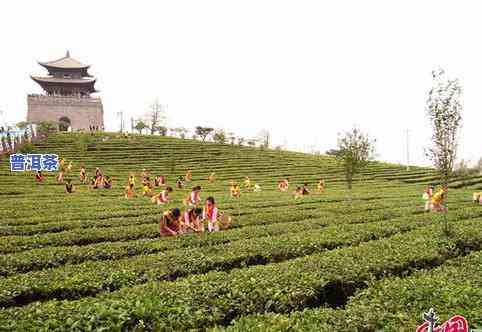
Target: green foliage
{"x":444,"y":111}
{"x":27,"y":148}
{"x":94,"y":261}
{"x":219,"y":136}
{"x":203,"y":132}
{"x":282,"y":287}
{"x":83,"y":142}
{"x":355,"y":150}
{"x":140,"y":126}
{"x":162,"y":130}
{"x":22,"y":124}
{"x":47,"y":127}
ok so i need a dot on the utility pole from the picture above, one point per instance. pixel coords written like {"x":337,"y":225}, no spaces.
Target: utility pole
{"x":408,"y":150}
{"x":121,"y":115}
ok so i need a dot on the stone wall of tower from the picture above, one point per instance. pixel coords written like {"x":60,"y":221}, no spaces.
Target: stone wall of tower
{"x":82,"y":111}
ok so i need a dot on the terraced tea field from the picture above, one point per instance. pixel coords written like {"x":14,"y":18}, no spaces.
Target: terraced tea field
{"x":93,"y":260}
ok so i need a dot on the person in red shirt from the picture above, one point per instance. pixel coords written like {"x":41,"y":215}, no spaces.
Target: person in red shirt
{"x":210,"y":213}
{"x":216,"y":220}
{"x":159,"y":180}
{"x":162,"y":197}
{"x":169,"y":223}
{"x":193,"y":199}
{"x":39,"y":177}
{"x":192,"y":220}
{"x":283,"y":185}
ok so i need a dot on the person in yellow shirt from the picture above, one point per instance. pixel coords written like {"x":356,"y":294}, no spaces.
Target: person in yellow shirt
{"x":477,"y":198}
{"x":132,"y":180}
{"x":321,"y":186}
{"x":438,"y":200}
{"x":247,"y":183}
{"x":188,"y":176}
{"x":235,"y":190}
{"x":62,"y":164}
{"x":146,"y":187}
{"x":82,"y":174}
{"x":211,"y":177}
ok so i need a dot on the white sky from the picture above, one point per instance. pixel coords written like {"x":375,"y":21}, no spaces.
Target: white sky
{"x":305,"y":70}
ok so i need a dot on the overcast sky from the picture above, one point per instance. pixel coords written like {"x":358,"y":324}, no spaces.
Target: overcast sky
{"x":305,"y":70}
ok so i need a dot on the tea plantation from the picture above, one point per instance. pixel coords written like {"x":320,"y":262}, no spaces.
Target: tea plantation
{"x":365,"y":260}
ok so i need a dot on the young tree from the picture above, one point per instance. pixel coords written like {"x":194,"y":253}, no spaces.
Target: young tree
{"x":203,"y":132}
{"x":355,"y":150}
{"x":157,"y":116}
{"x":140,"y":126}
{"x":444,"y":112}
{"x":219,"y":136}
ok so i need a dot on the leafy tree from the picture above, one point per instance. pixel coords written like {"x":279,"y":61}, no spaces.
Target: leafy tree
{"x":140,"y":126}
{"x":162,"y":130}
{"x":203,"y":132}
{"x":219,"y":136}
{"x":355,"y":150}
{"x":47,"y":127}
{"x":241,"y":141}
{"x":22,"y":125}
{"x":444,"y":111}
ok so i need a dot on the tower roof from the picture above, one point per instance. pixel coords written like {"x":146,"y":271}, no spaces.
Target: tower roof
{"x":65,"y":63}
{"x":66,"y":85}
{"x":63,"y":80}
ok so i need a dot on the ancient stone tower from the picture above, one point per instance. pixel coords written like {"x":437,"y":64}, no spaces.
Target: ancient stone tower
{"x":67,"y":99}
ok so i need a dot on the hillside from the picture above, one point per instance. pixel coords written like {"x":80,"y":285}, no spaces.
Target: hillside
{"x":94,"y":260}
